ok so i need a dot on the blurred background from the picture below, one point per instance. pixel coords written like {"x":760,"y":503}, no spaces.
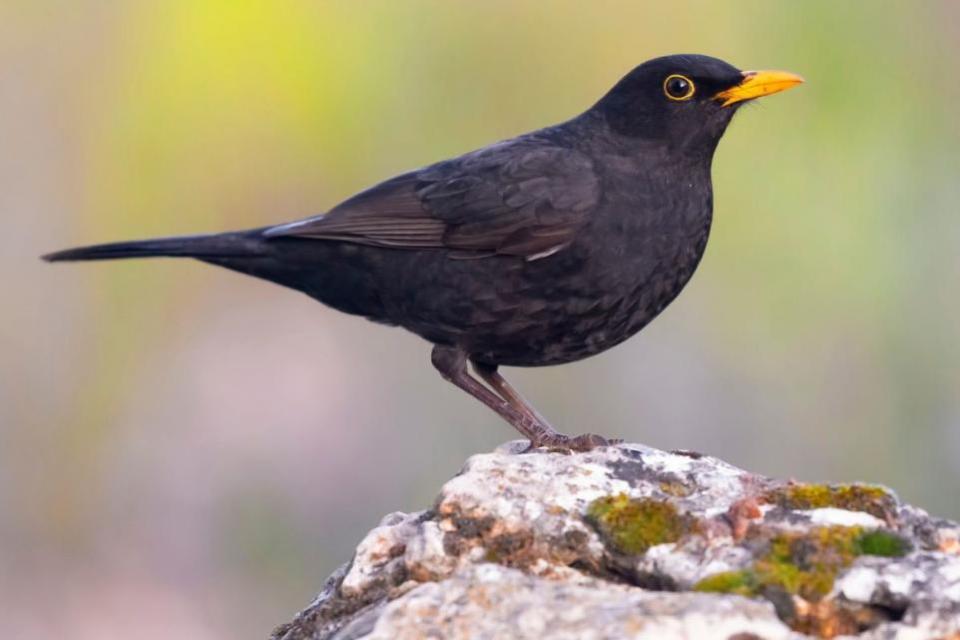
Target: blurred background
{"x":189,"y":453}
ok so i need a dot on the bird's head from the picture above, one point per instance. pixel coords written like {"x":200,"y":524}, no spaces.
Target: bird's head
{"x":685,"y":101}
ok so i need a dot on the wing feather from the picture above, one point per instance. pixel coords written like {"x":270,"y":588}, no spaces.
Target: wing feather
{"x":521,"y":198}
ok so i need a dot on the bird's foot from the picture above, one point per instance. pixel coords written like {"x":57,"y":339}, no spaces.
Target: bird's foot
{"x":559,"y":443}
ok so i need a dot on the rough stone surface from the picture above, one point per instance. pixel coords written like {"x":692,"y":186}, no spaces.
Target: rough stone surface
{"x":631,"y":542}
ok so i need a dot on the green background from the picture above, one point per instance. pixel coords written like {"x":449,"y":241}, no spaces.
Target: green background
{"x":189,"y":453}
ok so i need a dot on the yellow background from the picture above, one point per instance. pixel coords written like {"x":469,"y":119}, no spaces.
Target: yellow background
{"x":187,"y":453}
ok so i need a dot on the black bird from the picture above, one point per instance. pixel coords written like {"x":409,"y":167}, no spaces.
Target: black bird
{"x":539,"y":250}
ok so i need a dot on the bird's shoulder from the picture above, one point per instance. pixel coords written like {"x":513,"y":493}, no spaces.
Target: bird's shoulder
{"x":525,"y":196}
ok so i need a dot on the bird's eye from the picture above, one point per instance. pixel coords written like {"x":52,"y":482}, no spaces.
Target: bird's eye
{"x":678,"y":87}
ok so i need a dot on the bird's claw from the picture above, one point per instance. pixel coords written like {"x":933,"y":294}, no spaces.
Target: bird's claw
{"x":560,"y":443}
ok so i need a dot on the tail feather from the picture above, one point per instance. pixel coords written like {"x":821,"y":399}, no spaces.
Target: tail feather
{"x":203,"y":246}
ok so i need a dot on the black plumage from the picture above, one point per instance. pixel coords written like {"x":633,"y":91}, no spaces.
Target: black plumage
{"x":539,"y":250}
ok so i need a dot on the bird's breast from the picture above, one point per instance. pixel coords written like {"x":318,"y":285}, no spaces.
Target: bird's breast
{"x":635,"y":259}
{"x":651,"y":230}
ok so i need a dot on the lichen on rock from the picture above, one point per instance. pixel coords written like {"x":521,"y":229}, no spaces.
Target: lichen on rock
{"x":875,"y":500}
{"x":805,"y":564}
{"x":632,"y":526}
{"x":631,"y":542}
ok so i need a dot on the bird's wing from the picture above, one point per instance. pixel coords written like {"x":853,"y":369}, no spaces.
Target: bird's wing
{"x":516,"y":198}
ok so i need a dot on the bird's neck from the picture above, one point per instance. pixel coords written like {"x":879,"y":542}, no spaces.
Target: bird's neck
{"x":658,"y":194}
{"x":694,"y":153}
{"x":669,"y":184}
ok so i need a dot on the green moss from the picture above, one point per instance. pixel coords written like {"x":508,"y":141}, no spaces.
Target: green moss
{"x":881,"y":543}
{"x":742,"y":583}
{"x":876,"y":501}
{"x":805,"y":564}
{"x":631,"y":526}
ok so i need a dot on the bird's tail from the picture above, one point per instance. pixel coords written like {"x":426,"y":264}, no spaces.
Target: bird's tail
{"x":222,"y":245}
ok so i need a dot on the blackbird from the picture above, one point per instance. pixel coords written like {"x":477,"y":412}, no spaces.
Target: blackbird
{"x":539,"y":250}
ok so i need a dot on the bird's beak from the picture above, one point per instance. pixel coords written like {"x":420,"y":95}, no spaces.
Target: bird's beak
{"x":756,"y":84}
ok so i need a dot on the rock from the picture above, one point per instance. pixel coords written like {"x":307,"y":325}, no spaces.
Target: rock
{"x":631,"y":542}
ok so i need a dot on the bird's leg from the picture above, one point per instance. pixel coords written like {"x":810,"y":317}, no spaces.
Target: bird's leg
{"x":452,"y":365}
{"x":549,"y":436}
{"x":489,"y":374}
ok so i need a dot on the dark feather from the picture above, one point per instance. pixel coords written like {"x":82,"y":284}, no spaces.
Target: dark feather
{"x":522,"y":198}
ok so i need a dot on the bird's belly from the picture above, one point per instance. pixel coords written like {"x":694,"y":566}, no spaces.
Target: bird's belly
{"x":517,"y":313}
{"x":576,"y":328}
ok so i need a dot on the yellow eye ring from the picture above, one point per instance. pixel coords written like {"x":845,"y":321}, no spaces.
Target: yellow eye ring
{"x":678,"y":87}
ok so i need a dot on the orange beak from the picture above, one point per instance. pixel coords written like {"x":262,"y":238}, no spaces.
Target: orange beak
{"x":757,"y":84}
